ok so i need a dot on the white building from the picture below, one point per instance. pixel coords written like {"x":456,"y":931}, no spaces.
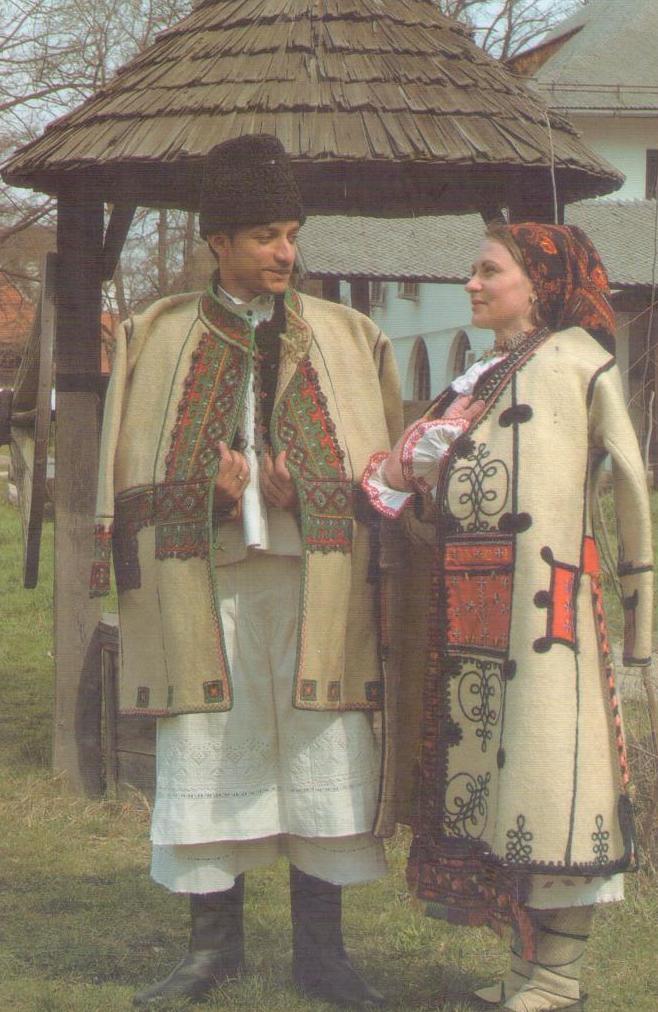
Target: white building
{"x":600,"y":68}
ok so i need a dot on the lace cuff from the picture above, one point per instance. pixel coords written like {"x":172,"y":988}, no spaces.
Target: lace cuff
{"x":424,"y":448}
{"x":386,"y":500}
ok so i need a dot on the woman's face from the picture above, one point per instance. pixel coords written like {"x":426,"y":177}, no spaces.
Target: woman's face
{"x":501,"y":292}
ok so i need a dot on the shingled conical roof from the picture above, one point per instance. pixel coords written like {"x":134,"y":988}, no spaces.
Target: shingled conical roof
{"x":385,"y":106}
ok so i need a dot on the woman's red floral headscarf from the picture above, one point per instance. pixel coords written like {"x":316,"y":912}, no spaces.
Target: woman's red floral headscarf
{"x":570,"y":282}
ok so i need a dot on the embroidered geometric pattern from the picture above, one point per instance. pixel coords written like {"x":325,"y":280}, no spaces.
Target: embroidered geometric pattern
{"x":374,"y":692}
{"x":181,"y":518}
{"x":209,"y":409}
{"x":213,"y":692}
{"x":309,"y":689}
{"x":295,"y":340}
{"x":207,"y":413}
{"x":180,"y":513}
{"x":99,"y":583}
{"x":466,"y":892}
{"x":304,"y":429}
{"x":328,"y":521}
{"x":479,"y":594}
{"x":143,"y":694}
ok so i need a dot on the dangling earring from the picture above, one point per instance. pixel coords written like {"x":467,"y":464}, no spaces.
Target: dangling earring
{"x":534,"y":312}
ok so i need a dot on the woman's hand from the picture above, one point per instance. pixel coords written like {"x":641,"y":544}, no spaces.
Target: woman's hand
{"x":463,"y":408}
{"x":232,"y":478}
{"x":392,"y":466}
{"x":277,"y":484}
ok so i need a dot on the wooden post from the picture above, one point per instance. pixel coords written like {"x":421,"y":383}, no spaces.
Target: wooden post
{"x":360,"y":291}
{"x":653,"y":446}
{"x":76,"y":740}
{"x":331,"y":289}
{"x":536,"y":206}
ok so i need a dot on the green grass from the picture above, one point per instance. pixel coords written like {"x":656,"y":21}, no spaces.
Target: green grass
{"x":83,"y":927}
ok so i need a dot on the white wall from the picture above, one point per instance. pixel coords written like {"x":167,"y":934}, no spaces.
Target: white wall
{"x":438,"y":314}
{"x":624,"y":142}
{"x":442,"y":310}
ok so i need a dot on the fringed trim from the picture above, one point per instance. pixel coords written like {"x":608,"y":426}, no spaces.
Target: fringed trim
{"x":461,"y":890}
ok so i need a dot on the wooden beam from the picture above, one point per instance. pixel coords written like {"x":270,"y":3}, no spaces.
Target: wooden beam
{"x":115,"y":237}
{"x":331,"y":289}
{"x":536,"y":206}
{"x":360,"y":292}
{"x":653,"y":447}
{"x":76,"y":740}
{"x":492,"y":207}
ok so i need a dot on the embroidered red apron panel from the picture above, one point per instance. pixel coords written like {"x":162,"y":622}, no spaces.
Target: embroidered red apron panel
{"x":478,"y":575}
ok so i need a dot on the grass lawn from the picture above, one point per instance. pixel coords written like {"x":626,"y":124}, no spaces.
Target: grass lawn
{"x":83,"y":927}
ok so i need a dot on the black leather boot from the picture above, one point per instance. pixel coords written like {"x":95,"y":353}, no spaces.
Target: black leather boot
{"x":216,"y":952}
{"x":320,"y":965}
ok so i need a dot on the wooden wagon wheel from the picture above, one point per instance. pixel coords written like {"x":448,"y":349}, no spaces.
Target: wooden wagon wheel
{"x":27,"y":414}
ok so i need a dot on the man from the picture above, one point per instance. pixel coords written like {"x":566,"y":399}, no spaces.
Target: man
{"x":237,"y":425}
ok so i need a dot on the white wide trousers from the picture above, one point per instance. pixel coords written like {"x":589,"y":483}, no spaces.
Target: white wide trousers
{"x":235,"y":790}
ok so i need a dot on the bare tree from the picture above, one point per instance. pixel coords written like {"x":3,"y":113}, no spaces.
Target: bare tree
{"x":55,"y":54}
{"x":505,"y":27}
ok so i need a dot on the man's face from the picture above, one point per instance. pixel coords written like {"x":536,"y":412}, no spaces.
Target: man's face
{"x":256,"y":260}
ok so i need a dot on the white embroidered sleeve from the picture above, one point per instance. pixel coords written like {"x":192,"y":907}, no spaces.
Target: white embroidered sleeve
{"x":424,"y":448}
{"x":386,"y":500}
{"x":421,"y":455}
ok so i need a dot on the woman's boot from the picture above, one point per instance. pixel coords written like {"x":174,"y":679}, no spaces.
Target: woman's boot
{"x":320,"y":965}
{"x":555,"y":979}
{"x":216,"y":952}
{"x":519,"y":974}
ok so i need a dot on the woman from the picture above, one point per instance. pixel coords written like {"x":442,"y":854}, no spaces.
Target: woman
{"x":522,"y":814}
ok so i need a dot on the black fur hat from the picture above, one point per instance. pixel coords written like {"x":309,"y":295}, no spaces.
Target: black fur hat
{"x":248,"y":181}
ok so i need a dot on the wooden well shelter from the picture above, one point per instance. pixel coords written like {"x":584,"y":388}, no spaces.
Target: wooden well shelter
{"x":387,"y":109}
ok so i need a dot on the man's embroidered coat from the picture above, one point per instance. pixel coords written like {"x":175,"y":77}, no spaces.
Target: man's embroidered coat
{"x":177,"y":388}
{"x":522,"y":759}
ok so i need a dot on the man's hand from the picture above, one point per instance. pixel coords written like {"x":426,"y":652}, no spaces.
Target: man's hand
{"x":232,"y":478}
{"x":277,"y":484}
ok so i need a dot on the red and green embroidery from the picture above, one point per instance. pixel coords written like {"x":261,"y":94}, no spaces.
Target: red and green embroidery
{"x":304,"y":429}
{"x":478,"y":575}
{"x":213,"y":395}
{"x":208,"y":413}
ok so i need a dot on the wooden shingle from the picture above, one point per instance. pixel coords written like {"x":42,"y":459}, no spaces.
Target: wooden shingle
{"x":394,"y":90}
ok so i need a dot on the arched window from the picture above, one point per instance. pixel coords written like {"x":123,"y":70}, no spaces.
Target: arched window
{"x":420,"y":364}
{"x":460,"y":348}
